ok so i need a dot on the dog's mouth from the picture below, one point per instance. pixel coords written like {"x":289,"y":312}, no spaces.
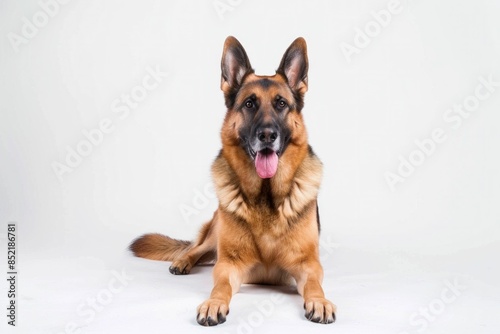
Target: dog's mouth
{"x":266,"y":162}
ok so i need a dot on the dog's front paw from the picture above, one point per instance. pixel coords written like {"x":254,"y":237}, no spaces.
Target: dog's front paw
{"x":212,"y":312}
{"x":320,"y":310}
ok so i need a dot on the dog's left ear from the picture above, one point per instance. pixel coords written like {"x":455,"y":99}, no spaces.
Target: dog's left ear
{"x":294,"y":65}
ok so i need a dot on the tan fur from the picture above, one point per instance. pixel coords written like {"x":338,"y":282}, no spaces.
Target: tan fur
{"x":183,"y":254}
{"x":264,"y":230}
{"x":159,"y":247}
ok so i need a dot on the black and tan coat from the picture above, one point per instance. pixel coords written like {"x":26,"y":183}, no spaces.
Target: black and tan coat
{"x":266,"y":227}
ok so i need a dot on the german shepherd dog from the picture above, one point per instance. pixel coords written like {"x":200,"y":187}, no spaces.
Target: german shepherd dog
{"x":266,"y":177}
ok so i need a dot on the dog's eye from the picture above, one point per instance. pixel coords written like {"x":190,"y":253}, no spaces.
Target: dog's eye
{"x":281,"y":105}
{"x":249,"y":104}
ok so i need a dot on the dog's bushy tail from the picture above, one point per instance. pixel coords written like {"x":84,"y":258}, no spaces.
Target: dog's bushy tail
{"x":159,"y":247}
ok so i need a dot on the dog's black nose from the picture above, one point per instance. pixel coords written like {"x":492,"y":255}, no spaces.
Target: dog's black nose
{"x":267,"y":135}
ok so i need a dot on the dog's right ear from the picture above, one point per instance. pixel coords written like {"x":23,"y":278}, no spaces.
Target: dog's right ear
{"x":235,"y":65}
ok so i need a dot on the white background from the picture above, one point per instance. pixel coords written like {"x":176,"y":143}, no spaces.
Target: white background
{"x":388,"y":255}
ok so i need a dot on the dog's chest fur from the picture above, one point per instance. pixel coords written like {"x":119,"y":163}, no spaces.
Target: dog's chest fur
{"x":272,"y":206}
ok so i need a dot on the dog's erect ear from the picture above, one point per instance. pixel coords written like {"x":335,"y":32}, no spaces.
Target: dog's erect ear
{"x":294,"y":65}
{"x":235,"y":64}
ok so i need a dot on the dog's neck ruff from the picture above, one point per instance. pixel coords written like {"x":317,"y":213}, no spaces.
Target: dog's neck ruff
{"x":291,"y":191}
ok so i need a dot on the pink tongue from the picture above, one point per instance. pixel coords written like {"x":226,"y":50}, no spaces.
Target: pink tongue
{"x":266,"y":164}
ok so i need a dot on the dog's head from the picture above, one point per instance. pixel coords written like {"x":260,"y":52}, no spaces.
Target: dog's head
{"x":263,"y":117}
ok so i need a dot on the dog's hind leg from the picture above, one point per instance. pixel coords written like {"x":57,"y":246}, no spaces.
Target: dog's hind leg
{"x":203,"y":250}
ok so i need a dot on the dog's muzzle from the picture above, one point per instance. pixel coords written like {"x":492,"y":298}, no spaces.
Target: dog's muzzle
{"x":265,"y":150}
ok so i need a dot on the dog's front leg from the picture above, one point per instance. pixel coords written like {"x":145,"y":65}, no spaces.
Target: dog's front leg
{"x":227,"y":281}
{"x":318,"y":309}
